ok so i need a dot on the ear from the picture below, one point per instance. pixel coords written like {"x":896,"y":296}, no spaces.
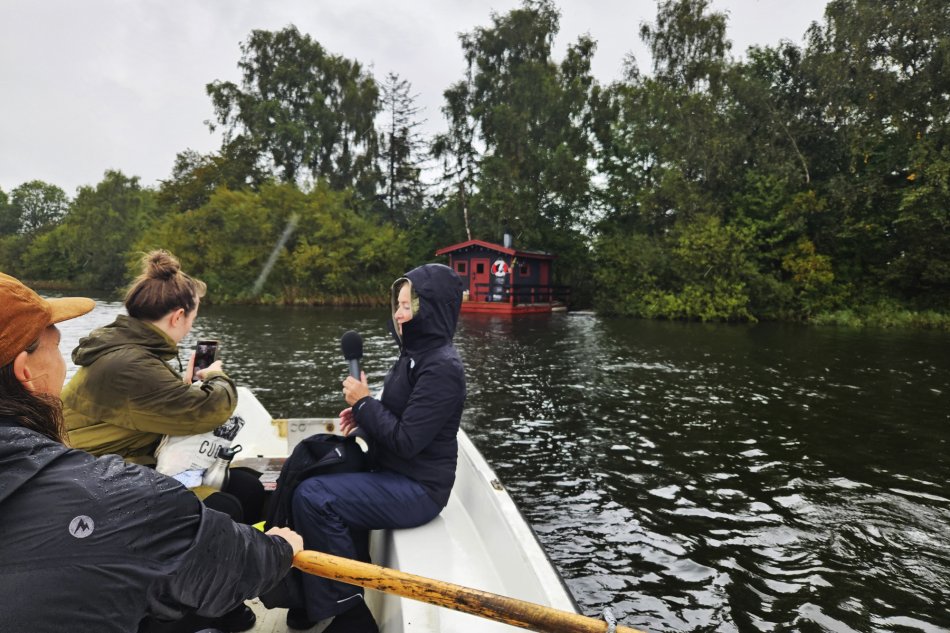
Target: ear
{"x":22,"y":372}
{"x":176,"y":317}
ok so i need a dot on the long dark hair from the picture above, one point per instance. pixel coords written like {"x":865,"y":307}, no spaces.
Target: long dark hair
{"x":38,"y":412}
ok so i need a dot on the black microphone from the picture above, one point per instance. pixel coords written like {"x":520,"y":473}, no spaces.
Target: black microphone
{"x":352,"y":344}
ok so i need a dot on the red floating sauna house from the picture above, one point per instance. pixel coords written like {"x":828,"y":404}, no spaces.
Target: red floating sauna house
{"x":499,"y":279}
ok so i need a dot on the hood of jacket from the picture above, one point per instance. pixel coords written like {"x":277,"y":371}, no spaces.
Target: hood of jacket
{"x":435,"y":314}
{"x":124,"y":331}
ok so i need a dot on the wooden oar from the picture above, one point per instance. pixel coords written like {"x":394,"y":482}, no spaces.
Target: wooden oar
{"x":520,"y":613}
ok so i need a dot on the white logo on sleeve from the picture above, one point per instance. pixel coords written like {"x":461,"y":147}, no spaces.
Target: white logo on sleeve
{"x":81,"y":526}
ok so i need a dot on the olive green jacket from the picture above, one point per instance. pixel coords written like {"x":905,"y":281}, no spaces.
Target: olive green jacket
{"x":125,"y":396}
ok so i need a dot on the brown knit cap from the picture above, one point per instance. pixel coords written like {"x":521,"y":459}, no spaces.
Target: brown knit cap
{"x":24,"y":315}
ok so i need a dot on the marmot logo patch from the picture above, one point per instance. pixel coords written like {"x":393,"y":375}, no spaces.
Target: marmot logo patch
{"x":81,"y":526}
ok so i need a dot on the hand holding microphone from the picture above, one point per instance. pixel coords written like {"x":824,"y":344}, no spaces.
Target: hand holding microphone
{"x":355,"y":387}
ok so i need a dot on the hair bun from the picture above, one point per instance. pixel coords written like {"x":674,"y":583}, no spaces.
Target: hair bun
{"x":161,"y":288}
{"x":161,"y":265}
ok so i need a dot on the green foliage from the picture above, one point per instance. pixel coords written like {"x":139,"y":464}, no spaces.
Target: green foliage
{"x":195,"y":177}
{"x":688,"y":45}
{"x":716,"y":300}
{"x":459,"y":158}
{"x":880,"y":73}
{"x":9,"y":217}
{"x":786,"y":185}
{"x":811,"y":276}
{"x":710,"y":265}
{"x":531,"y":115}
{"x":885,"y":313}
{"x":12,"y":244}
{"x":401,"y":149}
{"x":340,"y":253}
{"x":308,"y":112}
{"x":88,"y":248}
{"x":34,"y":207}
{"x":922,"y":228}
{"x":628,"y":268}
{"x":332,"y":254}
{"x":12,"y":249}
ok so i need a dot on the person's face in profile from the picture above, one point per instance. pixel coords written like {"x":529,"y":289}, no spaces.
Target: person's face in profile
{"x":403,"y":312}
{"x":46,"y":365}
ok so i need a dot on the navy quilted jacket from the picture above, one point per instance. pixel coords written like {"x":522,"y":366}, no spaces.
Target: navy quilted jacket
{"x":415,"y":423}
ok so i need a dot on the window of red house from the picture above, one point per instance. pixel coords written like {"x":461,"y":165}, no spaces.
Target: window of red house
{"x":461,"y":268}
{"x":479,"y":268}
{"x":524,"y":270}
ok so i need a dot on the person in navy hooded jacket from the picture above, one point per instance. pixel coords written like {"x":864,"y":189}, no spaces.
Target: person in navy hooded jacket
{"x":413,"y":429}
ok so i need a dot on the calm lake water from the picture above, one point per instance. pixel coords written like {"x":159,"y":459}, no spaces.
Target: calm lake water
{"x":694,"y":477}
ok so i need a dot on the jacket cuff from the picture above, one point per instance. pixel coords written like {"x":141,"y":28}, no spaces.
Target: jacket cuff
{"x":286,"y":551}
{"x":359,"y":406}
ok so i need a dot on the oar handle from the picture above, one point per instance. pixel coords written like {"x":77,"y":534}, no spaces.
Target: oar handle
{"x":520,"y":613}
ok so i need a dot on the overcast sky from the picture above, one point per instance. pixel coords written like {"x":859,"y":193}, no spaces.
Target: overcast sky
{"x":91,"y":85}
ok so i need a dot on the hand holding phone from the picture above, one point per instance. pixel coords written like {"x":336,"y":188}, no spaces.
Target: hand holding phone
{"x":206,"y":352}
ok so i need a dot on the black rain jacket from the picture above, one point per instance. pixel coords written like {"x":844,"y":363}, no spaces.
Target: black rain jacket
{"x":96,"y":544}
{"x":415,"y":424}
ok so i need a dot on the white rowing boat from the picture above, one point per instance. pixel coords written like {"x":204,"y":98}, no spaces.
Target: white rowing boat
{"x":480,"y":540}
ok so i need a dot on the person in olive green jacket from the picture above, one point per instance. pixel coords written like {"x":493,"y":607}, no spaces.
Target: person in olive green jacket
{"x":126,"y":396}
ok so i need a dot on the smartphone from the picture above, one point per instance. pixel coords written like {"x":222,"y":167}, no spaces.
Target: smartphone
{"x":206,"y":352}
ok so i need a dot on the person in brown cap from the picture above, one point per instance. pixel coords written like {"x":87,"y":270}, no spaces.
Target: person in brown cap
{"x":28,"y":318}
{"x":97,"y":544}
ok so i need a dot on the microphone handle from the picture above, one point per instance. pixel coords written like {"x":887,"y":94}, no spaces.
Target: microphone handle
{"x":357,"y":433}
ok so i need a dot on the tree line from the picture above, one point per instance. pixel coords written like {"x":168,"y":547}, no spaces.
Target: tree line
{"x":796,"y":182}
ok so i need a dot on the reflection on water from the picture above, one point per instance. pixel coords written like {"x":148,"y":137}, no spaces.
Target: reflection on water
{"x":695,"y":477}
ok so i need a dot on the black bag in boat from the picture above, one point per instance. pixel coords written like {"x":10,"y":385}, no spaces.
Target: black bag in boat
{"x":319,"y":454}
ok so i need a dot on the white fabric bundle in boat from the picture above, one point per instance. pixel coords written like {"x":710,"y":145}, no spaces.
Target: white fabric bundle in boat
{"x":180,"y":453}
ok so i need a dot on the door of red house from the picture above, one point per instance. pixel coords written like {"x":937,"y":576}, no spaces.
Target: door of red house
{"x":479,"y":277}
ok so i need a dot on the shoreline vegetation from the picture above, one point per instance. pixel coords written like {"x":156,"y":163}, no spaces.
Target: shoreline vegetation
{"x":289,"y":299}
{"x":803,"y":183}
{"x":881,"y":316}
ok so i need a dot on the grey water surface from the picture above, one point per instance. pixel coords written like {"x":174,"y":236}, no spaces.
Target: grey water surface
{"x":694,"y":477}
